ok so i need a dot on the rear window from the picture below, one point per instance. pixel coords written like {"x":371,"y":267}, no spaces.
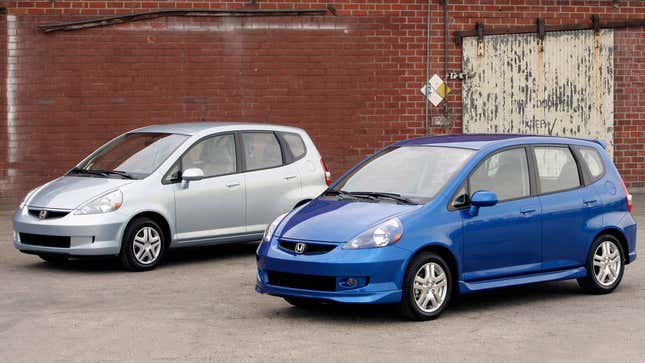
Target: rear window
{"x":295,"y":144}
{"x":594,"y":163}
{"x":261,"y":150}
{"x":557,"y":169}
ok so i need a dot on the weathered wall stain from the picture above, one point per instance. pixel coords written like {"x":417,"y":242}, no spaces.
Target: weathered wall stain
{"x":565,"y":90}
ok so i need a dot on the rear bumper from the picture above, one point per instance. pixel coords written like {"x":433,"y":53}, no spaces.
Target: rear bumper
{"x":379,"y":273}
{"x":630,"y":227}
{"x":88,"y":235}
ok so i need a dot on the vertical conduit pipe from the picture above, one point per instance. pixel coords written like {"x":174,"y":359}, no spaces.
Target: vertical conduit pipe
{"x":445,"y":60}
{"x":426,"y":125}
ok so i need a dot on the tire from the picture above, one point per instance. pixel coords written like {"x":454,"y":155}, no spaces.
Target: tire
{"x":143,"y":245}
{"x":433,"y":294}
{"x":301,"y":302}
{"x":54,"y":259}
{"x":607,"y":273}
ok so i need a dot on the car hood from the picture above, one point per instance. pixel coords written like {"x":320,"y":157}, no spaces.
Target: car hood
{"x":69,"y":192}
{"x":330,"y":220}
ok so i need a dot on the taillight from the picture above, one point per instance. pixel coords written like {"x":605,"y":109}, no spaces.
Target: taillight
{"x":628,"y":197}
{"x":326,"y":171}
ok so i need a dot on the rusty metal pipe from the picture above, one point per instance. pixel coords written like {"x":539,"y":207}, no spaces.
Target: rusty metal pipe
{"x":128,"y":18}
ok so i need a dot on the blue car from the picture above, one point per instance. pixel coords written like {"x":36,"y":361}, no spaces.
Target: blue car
{"x":428,"y":218}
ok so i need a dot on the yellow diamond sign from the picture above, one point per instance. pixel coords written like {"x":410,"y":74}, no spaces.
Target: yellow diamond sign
{"x":435,"y":90}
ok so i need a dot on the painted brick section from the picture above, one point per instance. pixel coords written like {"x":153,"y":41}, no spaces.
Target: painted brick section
{"x":351,"y":80}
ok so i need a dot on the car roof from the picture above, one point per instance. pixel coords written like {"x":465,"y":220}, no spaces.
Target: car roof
{"x":194,"y":128}
{"x":480,"y":141}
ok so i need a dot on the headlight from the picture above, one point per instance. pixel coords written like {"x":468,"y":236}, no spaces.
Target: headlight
{"x":106,"y":203}
{"x":268,"y":233}
{"x":384,"y":234}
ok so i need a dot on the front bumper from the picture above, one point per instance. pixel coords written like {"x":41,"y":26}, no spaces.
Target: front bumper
{"x":378,"y":270}
{"x":93,"y":235}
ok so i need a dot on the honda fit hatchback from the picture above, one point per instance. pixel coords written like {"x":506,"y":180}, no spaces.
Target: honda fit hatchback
{"x":425,"y":218}
{"x":169,"y":186}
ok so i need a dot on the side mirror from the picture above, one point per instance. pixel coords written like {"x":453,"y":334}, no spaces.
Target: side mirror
{"x":482,"y":198}
{"x":192,"y":174}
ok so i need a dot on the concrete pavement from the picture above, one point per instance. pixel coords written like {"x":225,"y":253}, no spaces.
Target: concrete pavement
{"x":201,"y":306}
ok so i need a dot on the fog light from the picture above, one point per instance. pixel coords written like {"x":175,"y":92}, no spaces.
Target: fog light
{"x":351,"y":282}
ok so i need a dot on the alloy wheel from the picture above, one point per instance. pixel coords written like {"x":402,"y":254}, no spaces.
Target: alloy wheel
{"x":606,"y":263}
{"x":430,"y":287}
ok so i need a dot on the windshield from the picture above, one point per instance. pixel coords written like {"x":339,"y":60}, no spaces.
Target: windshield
{"x":414,"y":172}
{"x":132,"y":156}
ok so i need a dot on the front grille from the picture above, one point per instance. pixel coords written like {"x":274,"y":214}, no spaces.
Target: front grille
{"x":44,"y":240}
{"x":301,"y":281}
{"x":310,"y":248}
{"x":48,"y":214}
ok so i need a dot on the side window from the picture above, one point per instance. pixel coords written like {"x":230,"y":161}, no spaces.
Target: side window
{"x":261,"y":150}
{"x":172,"y":176}
{"x":295,"y":144}
{"x":593,"y":161}
{"x":214,"y":155}
{"x":556,"y":168}
{"x":505,"y":173}
{"x":461,"y":198}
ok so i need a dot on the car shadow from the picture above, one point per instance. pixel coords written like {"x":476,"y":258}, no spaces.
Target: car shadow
{"x":479,"y":302}
{"x":208,"y":253}
{"x":172,"y":258}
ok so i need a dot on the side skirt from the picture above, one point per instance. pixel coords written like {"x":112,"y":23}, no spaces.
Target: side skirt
{"x":574,"y":273}
{"x":220,"y":240}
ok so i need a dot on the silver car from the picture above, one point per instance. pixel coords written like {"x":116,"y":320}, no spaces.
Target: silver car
{"x":169,"y":186}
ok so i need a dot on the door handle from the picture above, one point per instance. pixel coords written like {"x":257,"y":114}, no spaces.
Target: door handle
{"x":232,"y":184}
{"x":289,"y":177}
{"x":590,"y":202}
{"x":527,"y":211}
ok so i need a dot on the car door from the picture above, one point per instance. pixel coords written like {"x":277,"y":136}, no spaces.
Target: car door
{"x":213,"y":206}
{"x":564,"y":204}
{"x":504,"y":239}
{"x":272,"y":187}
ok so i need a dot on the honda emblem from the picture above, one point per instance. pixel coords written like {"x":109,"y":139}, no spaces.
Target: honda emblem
{"x":300,"y":247}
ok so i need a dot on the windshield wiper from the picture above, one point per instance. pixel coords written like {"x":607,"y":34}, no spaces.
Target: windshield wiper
{"x":83,"y":171}
{"x":397,"y":197}
{"x":343,"y":194}
{"x":102,"y":172}
{"x":116,"y":172}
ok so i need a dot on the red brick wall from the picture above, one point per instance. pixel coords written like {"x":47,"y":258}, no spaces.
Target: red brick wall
{"x":351,"y":80}
{"x":629,"y":104}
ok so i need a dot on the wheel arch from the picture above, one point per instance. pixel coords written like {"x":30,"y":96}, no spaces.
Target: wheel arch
{"x":445,"y":253}
{"x":160,"y":220}
{"x":620,"y":236}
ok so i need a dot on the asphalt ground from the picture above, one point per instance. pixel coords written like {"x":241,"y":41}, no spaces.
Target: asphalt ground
{"x":200,"y":305}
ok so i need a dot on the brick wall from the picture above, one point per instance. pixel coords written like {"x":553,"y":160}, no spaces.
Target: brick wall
{"x":351,"y":80}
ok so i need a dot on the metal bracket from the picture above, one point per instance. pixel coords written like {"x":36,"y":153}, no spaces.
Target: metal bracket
{"x":530,"y":29}
{"x":479,"y":28}
{"x":456,"y":75}
{"x":540,"y":32}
